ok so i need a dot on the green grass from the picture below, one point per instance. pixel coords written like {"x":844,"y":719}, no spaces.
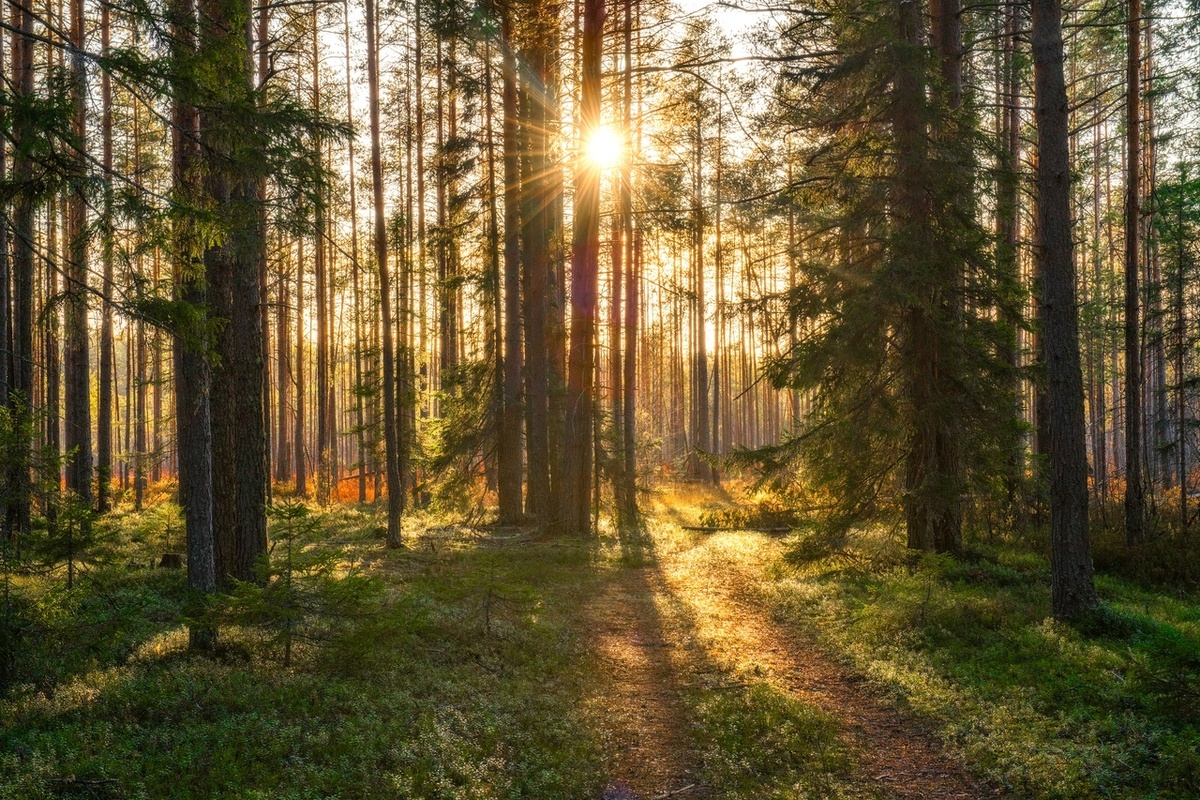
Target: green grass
{"x":465,"y":681}
{"x":1041,"y":708}
{"x":760,"y":743}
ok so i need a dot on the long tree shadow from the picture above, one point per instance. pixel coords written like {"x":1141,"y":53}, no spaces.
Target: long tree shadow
{"x":692,"y":720}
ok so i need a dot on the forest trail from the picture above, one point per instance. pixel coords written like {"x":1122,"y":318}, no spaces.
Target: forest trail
{"x":651,"y":754}
{"x":685,"y":622}
{"x":895,"y":757}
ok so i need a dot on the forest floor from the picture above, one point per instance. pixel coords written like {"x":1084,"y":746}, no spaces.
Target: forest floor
{"x":662,"y":662}
{"x":685,"y":640}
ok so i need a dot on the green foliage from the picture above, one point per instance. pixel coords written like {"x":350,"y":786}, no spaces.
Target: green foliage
{"x":765,"y":511}
{"x":459,"y":440}
{"x":304,"y":594}
{"x":415,"y":699}
{"x":761,"y":743}
{"x":1044,"y":709}
{"x":897,"y":315}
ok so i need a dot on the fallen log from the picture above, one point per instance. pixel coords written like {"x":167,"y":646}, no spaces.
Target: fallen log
{"x":714,"y":529}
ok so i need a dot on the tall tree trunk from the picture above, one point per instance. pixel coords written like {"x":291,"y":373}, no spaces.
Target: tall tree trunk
{"x":193,"y":420}
{"x":1135,"y":498}
{"x":17,"y":518}
{"x":931,"y":482}
{"x":632,"y":287}
{"x":325,"y":483}
{"x":394,"y":489}
{"x":535,"y":193}
{"x":139,"y":419}
{"x":239,"y":468}
{"x":283,"y":373}
{"x":51,"y":400}
{"x":359,"y":305}
{"x":298,"y":448}
{"x":697,"y":467}
{"x":5,"y":269}
{"x":264,"y":64}
{"x":1073,"y":590}
{"x":104,"y":420}
{"x":78,"y":401}
{"x":510,"y":468}
{"x":577,"y":450}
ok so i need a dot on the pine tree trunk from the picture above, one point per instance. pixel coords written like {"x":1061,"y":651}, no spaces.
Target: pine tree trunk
{"x":359,"y":305}
{"x":629,"y":509}
{"x":394,"y":489}
{"x":78,"y":401}
{"x":536,"y":269}
{"x":1072,"y":588}
{"x":575,"y":516}
{"x":17,"y":518}
{"x":932,"y":482}
{"x":193,"y":420}
{"x":511,"y":467}
{"x":239,"y":460}
{"x":321,"y":289}
{"x":1135,"y":498}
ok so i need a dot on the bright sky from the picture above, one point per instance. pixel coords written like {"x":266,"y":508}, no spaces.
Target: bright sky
{"x":734,"y":22}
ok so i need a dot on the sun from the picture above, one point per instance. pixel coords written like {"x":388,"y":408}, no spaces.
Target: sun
{"x":604,"y":147}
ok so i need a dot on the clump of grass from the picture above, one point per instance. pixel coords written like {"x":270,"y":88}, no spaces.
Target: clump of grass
{"x":761,"y":743}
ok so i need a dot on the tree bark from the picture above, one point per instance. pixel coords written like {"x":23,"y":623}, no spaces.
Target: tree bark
{"x":20,"y":488}
{"x":394,"y":490}
{"x":193,"y":419}
{"x":78,"y":401}
{"x":575,"y":515}
{"x":1135,"y":497}
{"x":1073,"y":591}
{"x":511,"y":467}
{"x":231,"y":264}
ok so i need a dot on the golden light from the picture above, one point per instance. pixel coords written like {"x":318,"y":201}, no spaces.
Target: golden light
{"x":604,"y":147}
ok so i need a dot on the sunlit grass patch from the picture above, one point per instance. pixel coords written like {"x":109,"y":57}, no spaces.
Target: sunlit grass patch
{"x":465,"y":680}
{"x":760,"y":743}
{"x":1044,"y":709}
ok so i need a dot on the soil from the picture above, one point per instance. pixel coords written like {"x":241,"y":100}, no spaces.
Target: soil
{"x":651,"y":750}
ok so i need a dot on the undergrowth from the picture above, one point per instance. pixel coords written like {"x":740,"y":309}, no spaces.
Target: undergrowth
{"x":1043,"y":709}
{"x":463,"y":681}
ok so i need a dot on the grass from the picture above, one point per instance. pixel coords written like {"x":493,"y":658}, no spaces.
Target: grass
{"x":471,"y":676}
{"x":1042,"y":709}
{"x":465,"y":682}
{"x":755,"y":739}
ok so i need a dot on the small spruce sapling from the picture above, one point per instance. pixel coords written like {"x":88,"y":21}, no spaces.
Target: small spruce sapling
{"x":304,"y":590}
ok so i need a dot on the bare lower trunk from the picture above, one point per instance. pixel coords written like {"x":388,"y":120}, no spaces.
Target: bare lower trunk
{"x":1073,"y":590}
{"x":575,"y":517}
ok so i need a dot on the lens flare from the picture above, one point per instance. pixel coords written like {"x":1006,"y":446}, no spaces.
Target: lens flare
{"x":604,"y":147}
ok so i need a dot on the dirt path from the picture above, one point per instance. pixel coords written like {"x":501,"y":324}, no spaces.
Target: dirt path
{"x":896,"y":757}
{"x":651,"y":754}
{"x":649,"y":657}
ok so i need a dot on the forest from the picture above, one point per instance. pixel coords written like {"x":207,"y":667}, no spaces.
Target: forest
{"x":605,"y":399}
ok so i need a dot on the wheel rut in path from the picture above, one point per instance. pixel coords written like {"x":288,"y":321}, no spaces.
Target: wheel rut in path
{"x":896,"y":756}
{"x":652,"y":755}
